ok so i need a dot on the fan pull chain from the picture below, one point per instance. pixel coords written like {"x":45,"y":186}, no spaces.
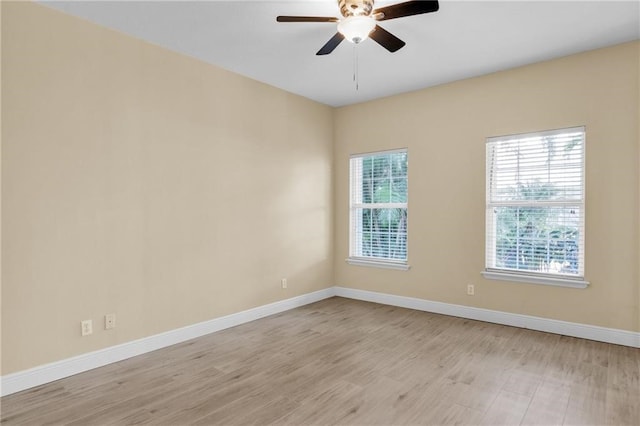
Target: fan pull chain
{"x":355,"y":67}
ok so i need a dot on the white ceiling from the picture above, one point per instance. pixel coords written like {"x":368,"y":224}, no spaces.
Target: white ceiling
{"x":463,"y":39}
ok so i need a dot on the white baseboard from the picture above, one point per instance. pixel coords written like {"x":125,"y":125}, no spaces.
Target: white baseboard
{"x":36,"y":376}
{"x":584,"y":331}
{"x":26,"y":379}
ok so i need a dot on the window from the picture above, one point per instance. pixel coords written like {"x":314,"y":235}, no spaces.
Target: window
{"x":378,"y":209}
{"x":535,"y":207}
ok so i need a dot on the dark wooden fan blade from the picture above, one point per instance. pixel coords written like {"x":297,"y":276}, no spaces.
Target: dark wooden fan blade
{"x":407,"y":8}
{"x":387,"y":40}
{"x":306,"y":19}
{"x":331,"y":44}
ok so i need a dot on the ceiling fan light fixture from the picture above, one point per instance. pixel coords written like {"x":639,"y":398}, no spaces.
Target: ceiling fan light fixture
{"x":356,"y":29}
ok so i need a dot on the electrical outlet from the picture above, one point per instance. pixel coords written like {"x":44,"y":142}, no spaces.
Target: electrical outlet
{"x":284,"y":283}
{"x":471,"y":289}
{"x":109,"y":321}
{"x":87,"y":327}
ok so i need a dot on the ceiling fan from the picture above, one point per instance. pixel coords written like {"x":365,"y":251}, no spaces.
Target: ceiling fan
{"x":359,"y":22}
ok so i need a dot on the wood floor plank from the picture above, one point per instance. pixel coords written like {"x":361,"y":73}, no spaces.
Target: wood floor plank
{"x":507,"y":408}
{"x":624,"y":369}
{"x":586,"y":406}
{"x":548,"y":405}
{"x":622,"y":408}
{"x":336,"y":403}
{"x":342,"y":361}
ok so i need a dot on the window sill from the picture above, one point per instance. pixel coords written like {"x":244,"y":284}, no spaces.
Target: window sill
{"x":402,"y":266}
{"x":544,"y":280}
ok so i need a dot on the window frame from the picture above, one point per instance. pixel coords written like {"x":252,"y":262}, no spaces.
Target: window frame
{"x":355,"y":224}
{"x":527,"y":276}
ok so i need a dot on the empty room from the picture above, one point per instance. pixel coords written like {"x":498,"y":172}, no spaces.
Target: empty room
{"x":322,"y":212}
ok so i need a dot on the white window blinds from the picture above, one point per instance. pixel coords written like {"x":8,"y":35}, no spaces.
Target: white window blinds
{"x":535,"y":203}
{"x":378,"y":206}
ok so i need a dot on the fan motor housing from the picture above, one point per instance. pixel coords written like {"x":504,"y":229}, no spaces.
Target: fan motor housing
{"x":355,"y":7}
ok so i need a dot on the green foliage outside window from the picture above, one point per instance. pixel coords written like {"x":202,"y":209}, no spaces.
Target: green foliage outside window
{"x":540,"y":230}
{"x":384,"y":230}
{"x":537,"y":238}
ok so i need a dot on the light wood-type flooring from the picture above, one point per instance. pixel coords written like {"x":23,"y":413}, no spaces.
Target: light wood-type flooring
{"x":347,"y":362}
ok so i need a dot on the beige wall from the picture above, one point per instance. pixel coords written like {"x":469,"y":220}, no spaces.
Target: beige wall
{"x":144,"y":183}
{"x":445,"y":128}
